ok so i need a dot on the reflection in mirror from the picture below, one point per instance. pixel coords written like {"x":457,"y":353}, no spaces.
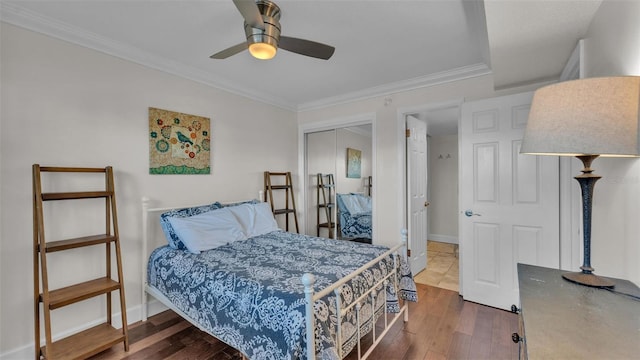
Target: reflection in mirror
{"x":339,"y":183}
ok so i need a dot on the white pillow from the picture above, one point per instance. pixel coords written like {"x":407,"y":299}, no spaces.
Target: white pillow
{"x":352,"y":204}
{"x":364,"y":202}
{"x":265,"y":222}
{"x":255,"y":219}
{"x":208,"y":230}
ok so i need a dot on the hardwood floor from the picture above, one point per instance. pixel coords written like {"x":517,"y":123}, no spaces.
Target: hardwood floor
{"x":441,"y":326}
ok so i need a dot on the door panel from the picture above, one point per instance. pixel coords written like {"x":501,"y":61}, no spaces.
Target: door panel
{"x":513,"y":201}
{"x":527,"y":241}
{"x":487,"y":266}
{"x":417,"y":185}
{"x":485,"y":172}
{"x":525,"y":168}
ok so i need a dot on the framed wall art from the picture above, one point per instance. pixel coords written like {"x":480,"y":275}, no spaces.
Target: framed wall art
{"x":178,"y":143}
{"x":354,"y":163}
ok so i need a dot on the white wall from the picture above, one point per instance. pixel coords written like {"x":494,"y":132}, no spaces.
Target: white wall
{"x":443,"y":188}
{"x":70,"y":106}
{"x":612,"y":47}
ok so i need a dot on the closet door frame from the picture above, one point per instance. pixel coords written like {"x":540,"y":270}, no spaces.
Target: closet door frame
{"x":334,"y":124}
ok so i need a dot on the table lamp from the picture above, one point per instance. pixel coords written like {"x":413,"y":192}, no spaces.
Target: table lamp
{"x":585,"y":118}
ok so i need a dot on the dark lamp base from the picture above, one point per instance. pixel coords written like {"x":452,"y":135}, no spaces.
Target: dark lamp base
{"x":588,"y":280}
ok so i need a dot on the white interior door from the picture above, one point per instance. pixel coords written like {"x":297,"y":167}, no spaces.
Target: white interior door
{"x":417,"y":185}
{"x":509,"y":202}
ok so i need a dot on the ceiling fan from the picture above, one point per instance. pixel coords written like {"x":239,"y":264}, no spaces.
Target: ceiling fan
{"x":262,"y":27}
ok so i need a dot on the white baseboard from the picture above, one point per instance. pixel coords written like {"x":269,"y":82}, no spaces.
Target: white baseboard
{"x":134,"y":315}
{"x":155,"y":307}
{"x":21,"y":353}
{"x":444,"y":238}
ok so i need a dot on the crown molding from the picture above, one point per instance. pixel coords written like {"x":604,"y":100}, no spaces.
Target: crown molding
{"x":443,"y":77}
{"x":15,"y":15}
{"x":573,"y":69}
{"x":30,"y":20}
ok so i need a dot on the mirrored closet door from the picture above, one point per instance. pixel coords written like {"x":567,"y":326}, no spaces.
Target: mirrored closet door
{"x":339,"y":183}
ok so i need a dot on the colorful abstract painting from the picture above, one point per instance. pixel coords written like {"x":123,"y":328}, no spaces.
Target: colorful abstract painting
{"x":178,"y":143}
{"x":354,"y":161}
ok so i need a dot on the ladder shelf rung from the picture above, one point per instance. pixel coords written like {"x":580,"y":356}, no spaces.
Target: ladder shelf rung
{"x":60,"y":245}
{"x":329,"y":205}
{"x":71,"y":169}
{"x":86,"y":343}
{"x":82,"y":291}
{"x":324,"y":225}
{"x":283,"y":211}
{"x":279,"y":187}
{"x":76,"y":195}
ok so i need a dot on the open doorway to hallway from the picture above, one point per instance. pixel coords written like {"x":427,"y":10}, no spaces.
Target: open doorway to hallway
{"x":443,"y":264}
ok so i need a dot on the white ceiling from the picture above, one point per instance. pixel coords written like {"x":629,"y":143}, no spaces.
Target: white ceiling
{"x":382,"y":47}
{"x":531,"y":41}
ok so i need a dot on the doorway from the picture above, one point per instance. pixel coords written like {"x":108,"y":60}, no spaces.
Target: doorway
{"x":510,"y":201}
{"x":338,"y":161}
{"x":441,"y":240}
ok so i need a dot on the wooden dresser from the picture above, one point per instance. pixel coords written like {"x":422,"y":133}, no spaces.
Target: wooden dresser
{"x":563,"y":320}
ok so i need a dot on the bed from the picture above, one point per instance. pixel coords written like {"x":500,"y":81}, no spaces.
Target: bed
{"x":354,"y":216}
{"x":272,"y":294}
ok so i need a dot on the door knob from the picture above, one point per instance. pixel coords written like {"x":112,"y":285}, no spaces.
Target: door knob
{"x":516,"y":338}
{"x":426,"y":203}
{"x":470,"y":213}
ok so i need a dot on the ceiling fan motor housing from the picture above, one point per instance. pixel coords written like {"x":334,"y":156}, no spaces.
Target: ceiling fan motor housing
{"x":271,"y":33}
{"x":263,"y":39}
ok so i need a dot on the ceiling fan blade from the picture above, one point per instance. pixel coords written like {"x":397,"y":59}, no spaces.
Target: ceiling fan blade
{"x":230,"y":51}
{"x":306,"y":47}
{"x":250,"y":13}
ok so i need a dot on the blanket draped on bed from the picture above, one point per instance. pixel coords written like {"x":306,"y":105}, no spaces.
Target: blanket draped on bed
{"x":249,"y":293}
{"x":354,"y":225}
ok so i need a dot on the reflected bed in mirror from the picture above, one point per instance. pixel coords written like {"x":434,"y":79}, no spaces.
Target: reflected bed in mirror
{"x":354,"y":217}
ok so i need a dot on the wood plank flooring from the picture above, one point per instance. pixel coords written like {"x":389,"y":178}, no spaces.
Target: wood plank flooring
{"x":441,"y":326}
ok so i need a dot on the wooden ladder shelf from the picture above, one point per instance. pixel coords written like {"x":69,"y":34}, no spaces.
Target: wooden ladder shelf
{"x":289,"y":202}
{"x":103,"y":336}
{"x":324,"y":197}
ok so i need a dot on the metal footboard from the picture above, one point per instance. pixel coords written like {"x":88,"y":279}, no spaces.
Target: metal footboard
{"x":311,"y":297}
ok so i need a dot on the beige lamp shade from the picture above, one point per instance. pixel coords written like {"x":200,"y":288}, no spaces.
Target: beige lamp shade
{"x":595,"y":116}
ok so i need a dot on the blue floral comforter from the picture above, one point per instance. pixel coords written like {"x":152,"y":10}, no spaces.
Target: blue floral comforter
{"x":249,"y":293}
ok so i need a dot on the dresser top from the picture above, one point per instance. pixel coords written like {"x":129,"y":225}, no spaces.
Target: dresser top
{"x":563,"y":320}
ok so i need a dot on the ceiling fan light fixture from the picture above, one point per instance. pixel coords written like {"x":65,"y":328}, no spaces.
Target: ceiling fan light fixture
{"x":262,"y":51}
{"x":263,"y":43}
{"x":262,"y":29}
